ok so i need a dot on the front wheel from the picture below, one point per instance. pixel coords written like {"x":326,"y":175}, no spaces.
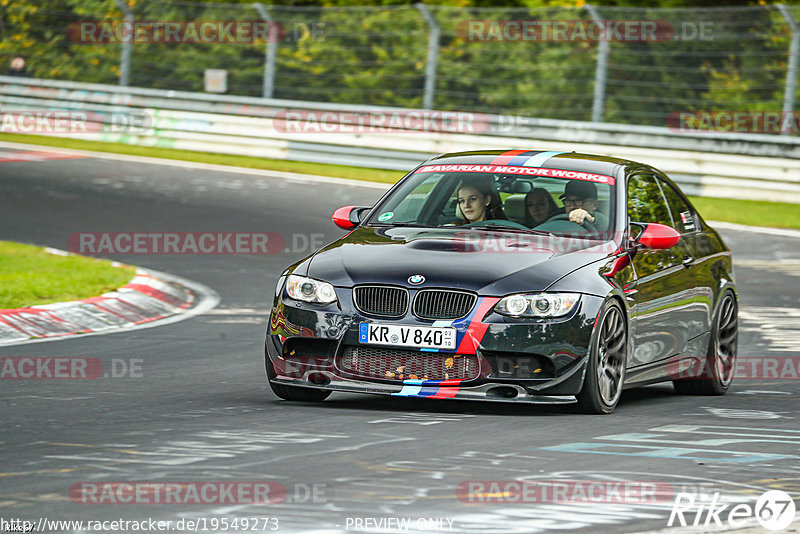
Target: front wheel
{"x":605,"y":372}
{"x":720,"y":364}
{"x":293,"y":393}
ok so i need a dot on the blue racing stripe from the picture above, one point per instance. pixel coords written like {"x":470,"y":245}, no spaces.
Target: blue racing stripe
{"x":428,"y":391}
{"x":463,"y":324}
{"x":411,"y":388}
{"x":520,"y":159}
{"x":429,"y":388}
{"x":539,"y":159}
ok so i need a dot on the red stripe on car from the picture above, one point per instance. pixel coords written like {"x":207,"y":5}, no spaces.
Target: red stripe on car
{"x":476,"y":329}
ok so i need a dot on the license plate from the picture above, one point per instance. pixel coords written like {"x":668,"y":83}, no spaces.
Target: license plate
{"x":424,"y":337}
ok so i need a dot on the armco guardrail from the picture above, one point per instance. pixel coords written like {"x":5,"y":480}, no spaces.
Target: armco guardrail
{"x":752,"y":166}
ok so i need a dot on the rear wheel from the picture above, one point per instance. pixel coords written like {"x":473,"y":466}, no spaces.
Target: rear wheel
{"x":293,"y":393}
{"x":605,"y":371}
{"x":716,"y":377}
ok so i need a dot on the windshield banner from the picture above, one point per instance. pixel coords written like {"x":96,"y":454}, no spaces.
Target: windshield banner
{"x":522,"y":171}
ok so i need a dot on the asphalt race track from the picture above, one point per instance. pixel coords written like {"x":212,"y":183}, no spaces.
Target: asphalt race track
{"x":200,"y":410}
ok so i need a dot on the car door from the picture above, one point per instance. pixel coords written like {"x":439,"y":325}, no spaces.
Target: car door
{"x":659,"y":278}
{"x":696,"y":281}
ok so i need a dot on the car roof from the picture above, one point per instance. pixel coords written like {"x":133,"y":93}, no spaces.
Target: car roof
{"x":573,"y":161}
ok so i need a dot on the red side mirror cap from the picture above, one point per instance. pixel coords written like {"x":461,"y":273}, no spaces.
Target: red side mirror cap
{"x":659,"y":236}
{"x":345,"y":217}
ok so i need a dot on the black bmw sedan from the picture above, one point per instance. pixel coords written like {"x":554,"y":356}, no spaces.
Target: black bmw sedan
{"x":513,"y":276}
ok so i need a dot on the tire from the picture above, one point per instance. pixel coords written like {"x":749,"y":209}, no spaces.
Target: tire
{"x":721,"y":356}
{"x":293,"y":393}
{"x":605,"y":371}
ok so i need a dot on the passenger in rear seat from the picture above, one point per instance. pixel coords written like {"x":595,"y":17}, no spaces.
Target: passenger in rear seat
{"x":539,"y":206}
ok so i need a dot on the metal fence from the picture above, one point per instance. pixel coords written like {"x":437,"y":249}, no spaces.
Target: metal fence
{"x":491,"y":60}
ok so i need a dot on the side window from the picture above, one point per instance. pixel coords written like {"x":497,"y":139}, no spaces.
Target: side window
{"x":682,"y":213}
{"x":410,"y":206}
{"x":645,"y":202}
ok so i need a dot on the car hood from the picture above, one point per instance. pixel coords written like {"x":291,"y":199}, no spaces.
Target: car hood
{"x":486,"y":261}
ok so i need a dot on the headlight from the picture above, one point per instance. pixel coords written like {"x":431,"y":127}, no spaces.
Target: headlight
{"x":537,"y":305}
{"x":310,"y":290}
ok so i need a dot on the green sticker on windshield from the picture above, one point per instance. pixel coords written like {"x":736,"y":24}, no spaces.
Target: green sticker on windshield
{"x":386,"y":216}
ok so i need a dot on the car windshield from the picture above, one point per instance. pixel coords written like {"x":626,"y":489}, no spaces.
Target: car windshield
{"x":515,"y":198}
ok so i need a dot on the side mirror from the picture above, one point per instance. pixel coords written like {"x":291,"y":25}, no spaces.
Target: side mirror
{"x":348,"y":217}
{"x":658,"y":236}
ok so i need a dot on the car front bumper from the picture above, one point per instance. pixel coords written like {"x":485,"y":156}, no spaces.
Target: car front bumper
{"x":502,"y":359}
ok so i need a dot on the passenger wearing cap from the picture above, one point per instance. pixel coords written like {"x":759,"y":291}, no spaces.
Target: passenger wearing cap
{"x":580,"y":203}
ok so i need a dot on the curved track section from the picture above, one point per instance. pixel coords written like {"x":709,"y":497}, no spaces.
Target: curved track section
{"x":187,"y":403}
{"x":150,"y":299}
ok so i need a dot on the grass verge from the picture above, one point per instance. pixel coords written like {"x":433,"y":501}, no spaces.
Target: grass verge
{"x":752,"y":212}
{"x":31,"y":276}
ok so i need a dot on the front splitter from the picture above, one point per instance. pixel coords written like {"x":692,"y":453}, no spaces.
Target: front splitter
{"x":431,"y":389}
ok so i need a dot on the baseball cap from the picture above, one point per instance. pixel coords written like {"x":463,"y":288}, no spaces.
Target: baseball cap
{"x":580,"y":189}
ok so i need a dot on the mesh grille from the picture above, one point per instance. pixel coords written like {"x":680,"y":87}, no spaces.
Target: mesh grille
{"x":397,"y":364}
{"x":381,"y":300}
{"x":438,"y":304}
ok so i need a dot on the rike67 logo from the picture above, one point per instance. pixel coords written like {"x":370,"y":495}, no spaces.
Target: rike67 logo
{"x":774,"y":510}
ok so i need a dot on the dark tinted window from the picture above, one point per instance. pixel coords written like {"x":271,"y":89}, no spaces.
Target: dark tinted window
{"x":645,"y":202}
{"x":682,"y":213}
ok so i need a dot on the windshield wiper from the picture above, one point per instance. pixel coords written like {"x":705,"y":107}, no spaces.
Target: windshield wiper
{"x":508,"y":229}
